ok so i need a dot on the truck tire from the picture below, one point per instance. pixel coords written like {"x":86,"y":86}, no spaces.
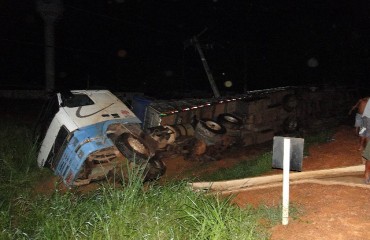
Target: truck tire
{"x":212,"y":126}
{"x":185,"y":130}
{"x":209,"y":131}
{"x":155,"y":168}
{"x":230,"y":121}
{"x":133,"y":148}
{"x":173,"y":134}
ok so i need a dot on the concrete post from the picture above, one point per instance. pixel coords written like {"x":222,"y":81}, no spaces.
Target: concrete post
{"x":50,"y":11}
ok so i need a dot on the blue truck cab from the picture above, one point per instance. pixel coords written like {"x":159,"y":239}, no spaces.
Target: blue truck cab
{"x":92,"y":135}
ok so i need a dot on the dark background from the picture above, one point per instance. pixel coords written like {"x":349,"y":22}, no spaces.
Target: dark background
{"x":142,"y":45}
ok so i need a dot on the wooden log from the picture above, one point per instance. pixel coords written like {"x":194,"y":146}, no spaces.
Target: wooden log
{"x":258,"y":181}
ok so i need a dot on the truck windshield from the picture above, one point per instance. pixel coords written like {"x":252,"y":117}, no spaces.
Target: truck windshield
{"x":77,"y":100}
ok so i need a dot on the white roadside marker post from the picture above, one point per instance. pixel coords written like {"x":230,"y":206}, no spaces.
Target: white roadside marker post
{"x":286,"y":169}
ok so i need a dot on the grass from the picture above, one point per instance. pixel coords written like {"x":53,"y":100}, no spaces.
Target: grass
{"x":172,"y":211}
{"x":18,"y":167}
{"x":250,"y":168}
{"x":263,"y":163}
{"x":160,"y":212}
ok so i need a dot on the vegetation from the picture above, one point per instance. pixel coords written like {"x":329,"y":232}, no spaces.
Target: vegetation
{"x":244,"y":169}
{"x":171,"y":211}
{"x":326,"y":135}
{"x":262,"y":164}
{"x":18,"y":166}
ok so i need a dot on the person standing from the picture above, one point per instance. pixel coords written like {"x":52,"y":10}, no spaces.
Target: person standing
{"x":366,"y":159}
{"x":365,"y":130}
{"x":361,"y":120}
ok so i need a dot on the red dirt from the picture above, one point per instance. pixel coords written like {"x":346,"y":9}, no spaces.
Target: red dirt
{"x":326,"y":211}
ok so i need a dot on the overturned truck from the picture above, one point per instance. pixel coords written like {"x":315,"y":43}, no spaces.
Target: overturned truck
{"x":89,"y":135}
{"x":202,"y":129}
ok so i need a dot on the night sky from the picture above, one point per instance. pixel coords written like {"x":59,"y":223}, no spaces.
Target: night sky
{"x":143,"y":45}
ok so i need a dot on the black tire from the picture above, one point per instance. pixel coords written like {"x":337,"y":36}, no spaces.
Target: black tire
{"x":290,"y":102}
{"x":230,"y":121}
{"x":133,"y":148}
{"x":155,"y":168}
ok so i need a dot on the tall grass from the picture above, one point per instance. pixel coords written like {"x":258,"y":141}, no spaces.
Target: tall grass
{"x":18,"y":152}
{"x":18,"y":171}
{"x":172,"y":211}
{"x":159,"y":212}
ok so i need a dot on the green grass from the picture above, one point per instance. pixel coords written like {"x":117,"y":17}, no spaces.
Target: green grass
{"x":250,"y":168}
{"x":18,"y":153}
{"x":160,"y":212}
{"x":172,"y":211}
{"x":263,"y":163}
{"x":273,"y":215}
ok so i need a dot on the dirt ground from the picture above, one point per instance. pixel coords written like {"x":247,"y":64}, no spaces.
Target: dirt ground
{"x":326,"y":211}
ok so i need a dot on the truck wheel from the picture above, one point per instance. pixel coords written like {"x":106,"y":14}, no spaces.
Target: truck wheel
{"x":132,"y":147}
{"x":230,"y":121}
{"x":155,"y":168}
{"x":212,"y":126}
{"x":209,"y":131}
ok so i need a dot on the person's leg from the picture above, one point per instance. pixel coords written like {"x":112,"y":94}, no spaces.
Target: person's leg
{"x":364,"y":132}
{"x":366,"y":157}
{"x":367,"y":131}
{"x":367,"y":171}
{"x":362,"y":143}
{"x":358,"y":122}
